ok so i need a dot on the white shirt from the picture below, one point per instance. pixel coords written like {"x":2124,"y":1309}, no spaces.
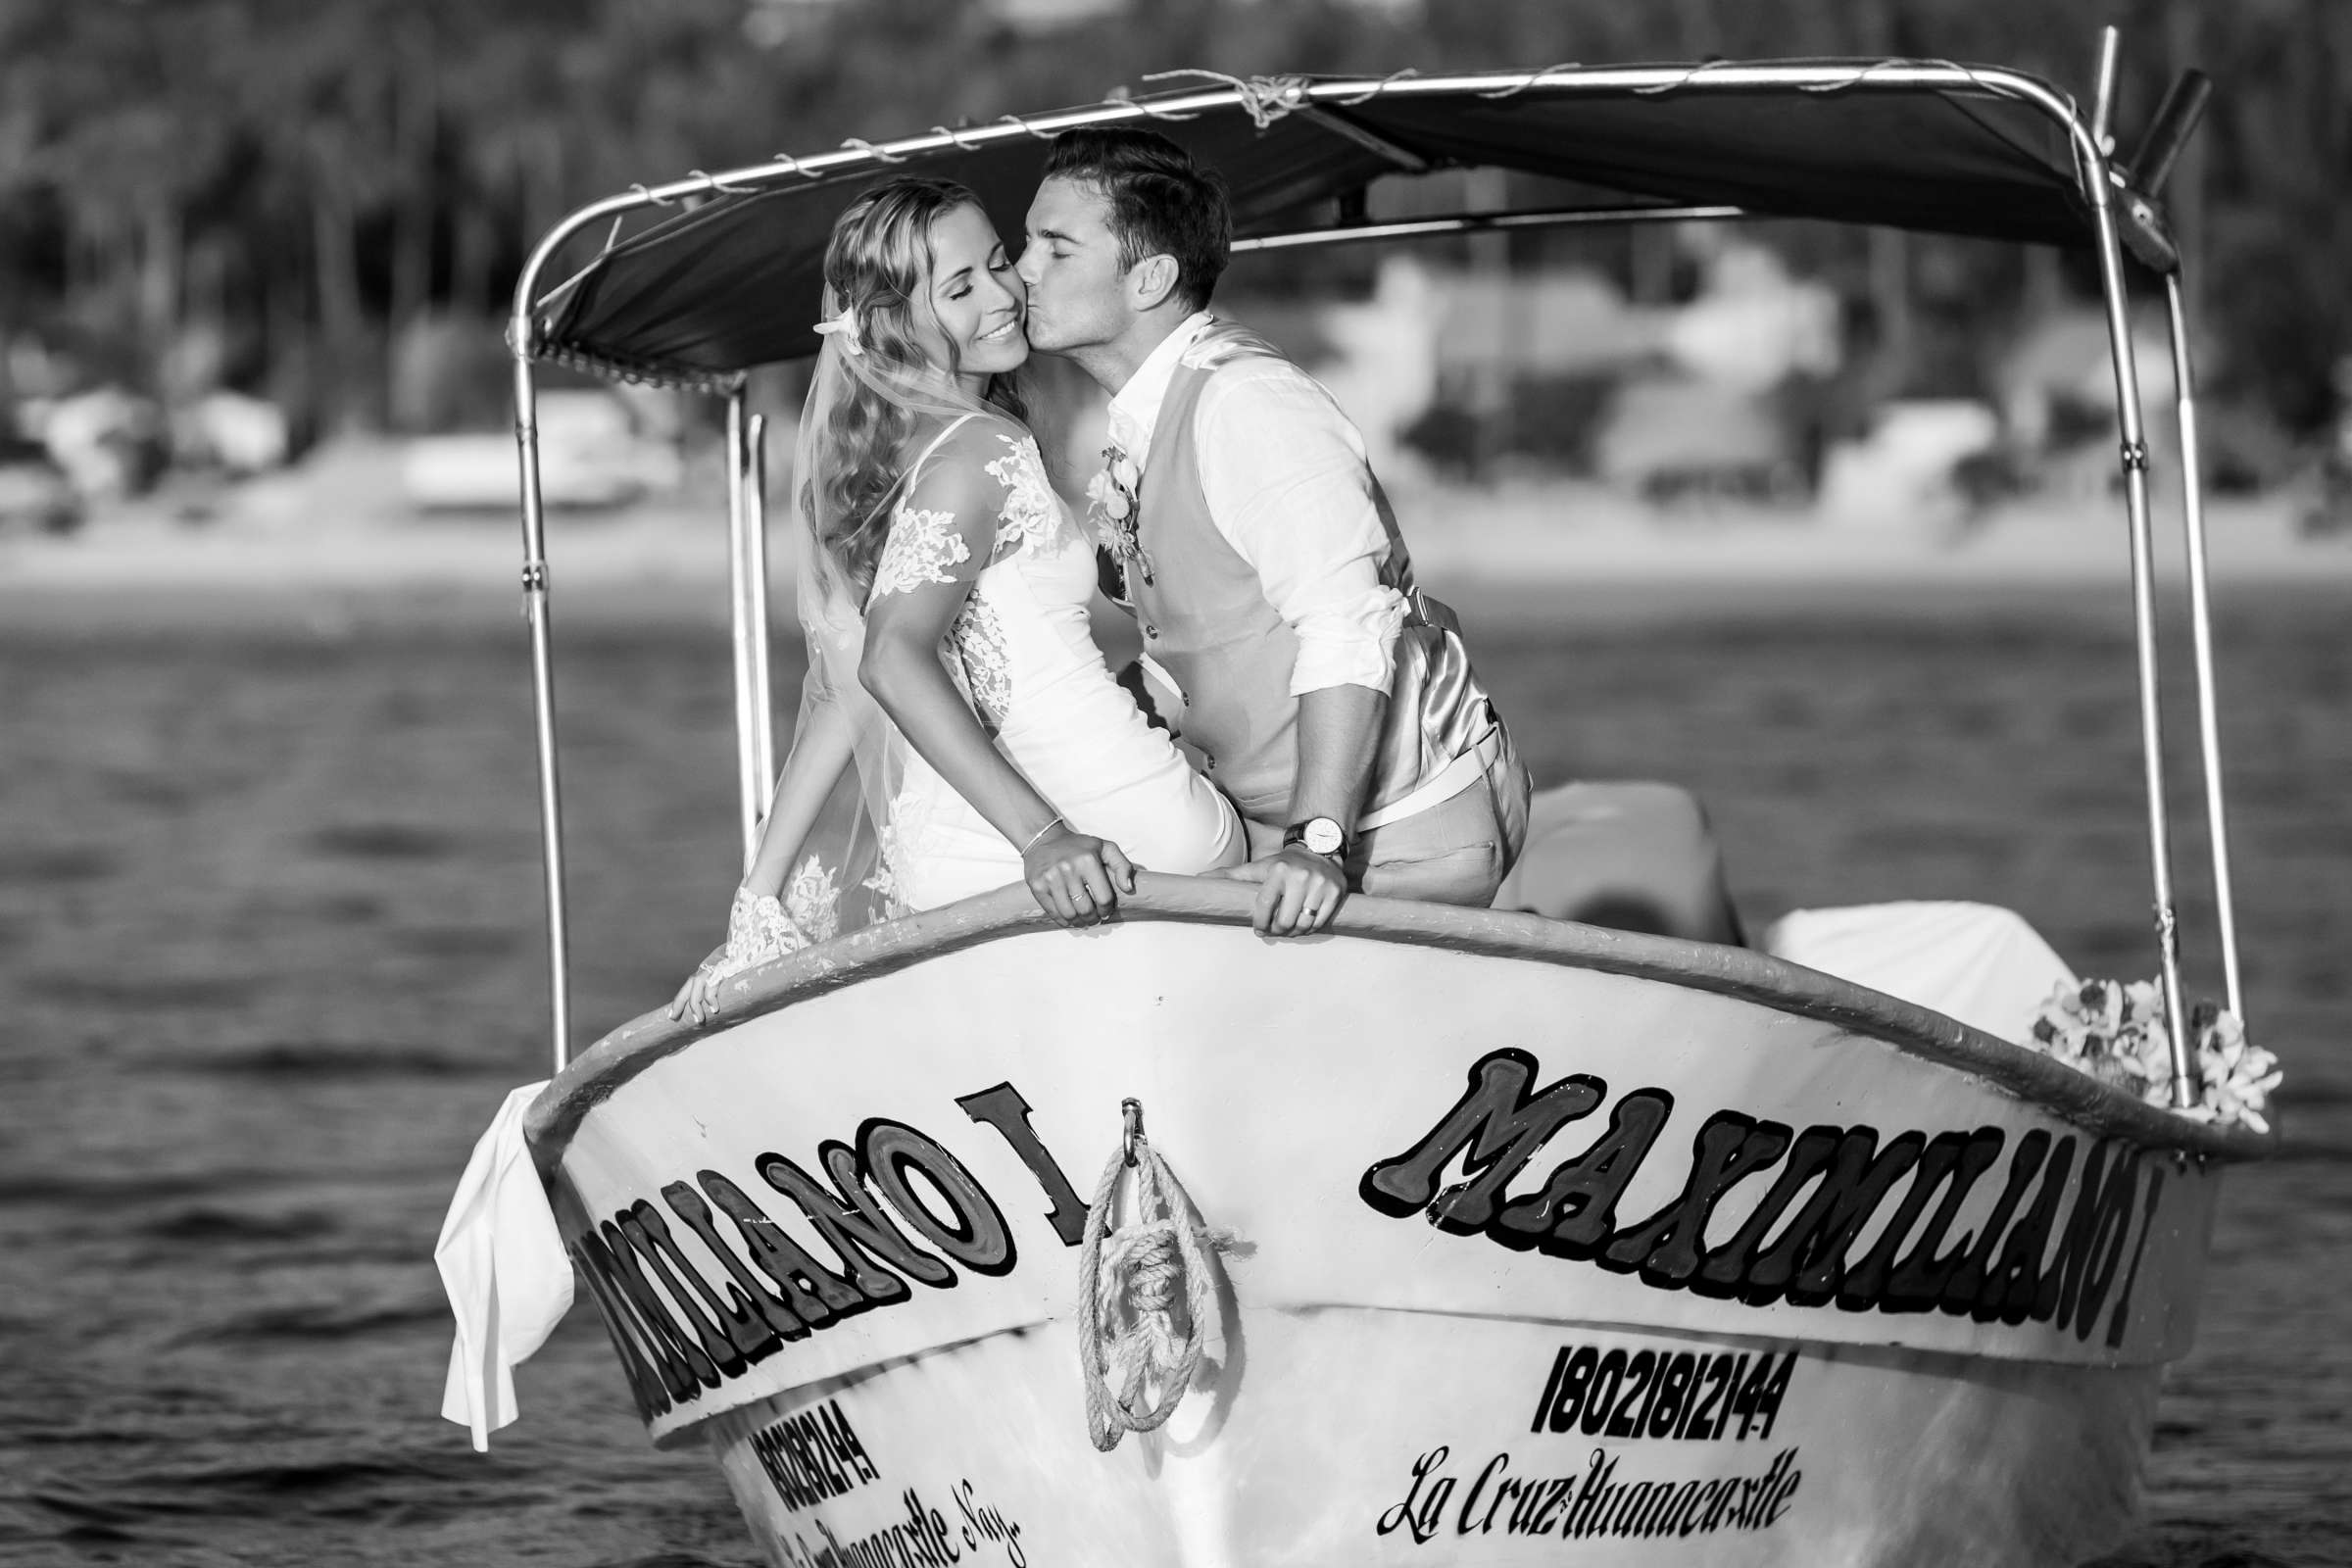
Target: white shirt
{"x":1287,"y":485}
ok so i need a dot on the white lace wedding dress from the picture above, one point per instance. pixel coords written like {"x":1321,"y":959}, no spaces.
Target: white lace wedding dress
{"x":1023,"y":655}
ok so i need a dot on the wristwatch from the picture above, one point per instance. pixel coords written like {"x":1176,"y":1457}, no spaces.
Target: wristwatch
{"x":1320,"y":834}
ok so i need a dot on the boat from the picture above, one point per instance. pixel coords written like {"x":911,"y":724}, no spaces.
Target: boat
{"x":1449,"y":1235}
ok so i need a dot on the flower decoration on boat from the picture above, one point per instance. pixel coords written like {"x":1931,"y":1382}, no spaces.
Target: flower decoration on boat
{"x":1114,"y":507}
{"x":2117,"y":1033}
{"x":2235,"y":1077}
{"x":2102,"y":1028}
{"x":844,"y":327}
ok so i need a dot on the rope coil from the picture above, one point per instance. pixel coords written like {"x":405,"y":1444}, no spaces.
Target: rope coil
{"x":1129,"y":1284}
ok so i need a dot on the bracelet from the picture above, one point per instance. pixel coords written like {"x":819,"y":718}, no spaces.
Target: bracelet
{"x":1041,"y":833}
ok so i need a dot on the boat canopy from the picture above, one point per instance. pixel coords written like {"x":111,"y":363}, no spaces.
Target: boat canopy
{"x":701,"y":280}
{"x":707,"y":294}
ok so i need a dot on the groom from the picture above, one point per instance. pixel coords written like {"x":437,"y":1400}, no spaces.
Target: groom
{"x":1284,"y":640}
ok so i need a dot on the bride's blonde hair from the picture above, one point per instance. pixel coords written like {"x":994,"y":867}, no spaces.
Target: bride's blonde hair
{"x":878,"y":266}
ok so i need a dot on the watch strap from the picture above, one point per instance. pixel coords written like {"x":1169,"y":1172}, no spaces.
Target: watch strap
{"x":1297,"y":834}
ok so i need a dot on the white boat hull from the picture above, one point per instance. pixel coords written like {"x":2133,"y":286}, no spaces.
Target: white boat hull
{"x":1549,"y":1245}
{"x":1368,"y":1438}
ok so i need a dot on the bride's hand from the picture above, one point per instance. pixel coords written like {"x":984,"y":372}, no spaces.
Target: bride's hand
{"x":698,"y":998}
{"x":1076,"y":877}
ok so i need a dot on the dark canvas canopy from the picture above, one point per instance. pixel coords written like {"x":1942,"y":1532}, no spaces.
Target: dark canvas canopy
{"x":734,"y":282}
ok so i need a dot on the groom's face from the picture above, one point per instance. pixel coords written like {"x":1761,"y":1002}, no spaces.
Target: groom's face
{"x":1077,"y":289}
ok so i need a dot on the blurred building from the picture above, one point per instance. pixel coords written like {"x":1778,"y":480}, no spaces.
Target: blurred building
{"x":1479,"y":372}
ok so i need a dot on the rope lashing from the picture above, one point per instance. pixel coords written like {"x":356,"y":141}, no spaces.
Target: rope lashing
{"x":1125,"y":97}
{"x":1129,"y":1284}
{"x":786,"y":164}
{"x":1377,"y":89}
{"x":1533,"y":78}
{"x":1265,"y":99}
{"x":883,"y":154}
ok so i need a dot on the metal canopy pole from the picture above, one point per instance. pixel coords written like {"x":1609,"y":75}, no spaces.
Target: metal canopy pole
{"x":2102,"y":104}
{"x":747,"y":606}
{"x":2098,"y":186}
{"x":764,"y":709}
{"x":739,"y":626}
{"x":543,"y":681}
{"x":2209,"y":740}
{"x":1484,"y":222}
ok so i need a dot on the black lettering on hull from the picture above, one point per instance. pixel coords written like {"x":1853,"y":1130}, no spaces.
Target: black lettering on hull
{"x":1004,"y":1109}
{"x":1496,"y":1127}
{"x":1798,"y":1244}
{"x":679,"y":1330}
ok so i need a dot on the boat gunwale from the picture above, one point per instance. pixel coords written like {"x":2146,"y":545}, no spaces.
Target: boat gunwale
{"x":1741,"y":973}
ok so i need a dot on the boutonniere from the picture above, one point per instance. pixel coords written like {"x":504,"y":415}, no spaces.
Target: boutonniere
{"x":1114,"y":508}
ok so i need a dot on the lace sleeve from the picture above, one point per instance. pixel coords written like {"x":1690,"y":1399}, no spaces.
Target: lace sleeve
{"x":1030,"y":512}
{"x":921,"y":546}
{"x":946,"y":529}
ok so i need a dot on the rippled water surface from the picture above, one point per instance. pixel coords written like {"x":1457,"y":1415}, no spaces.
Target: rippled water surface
{"x":269,"y":959}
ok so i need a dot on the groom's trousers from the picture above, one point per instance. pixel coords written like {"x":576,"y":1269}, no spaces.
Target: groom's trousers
{"x":1457,"y":850}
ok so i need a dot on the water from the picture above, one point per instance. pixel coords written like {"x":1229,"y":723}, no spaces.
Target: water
{"x":269,"y":959}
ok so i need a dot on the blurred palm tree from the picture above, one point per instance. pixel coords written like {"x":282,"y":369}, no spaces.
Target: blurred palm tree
{"x":327,"y":173}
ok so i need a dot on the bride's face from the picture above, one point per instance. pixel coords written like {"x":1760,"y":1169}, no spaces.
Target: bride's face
{"x":978,"y":299}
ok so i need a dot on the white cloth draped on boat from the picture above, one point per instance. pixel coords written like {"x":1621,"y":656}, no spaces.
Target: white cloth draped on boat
{"x":1978,"y":963}
{"x":502,"y":1264}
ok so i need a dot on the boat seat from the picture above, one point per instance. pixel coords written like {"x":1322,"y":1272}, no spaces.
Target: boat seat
{"x":1977,"y":963}
{"x":1629,"y":855}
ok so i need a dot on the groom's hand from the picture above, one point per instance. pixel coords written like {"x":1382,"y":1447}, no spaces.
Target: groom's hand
{"x":1298,"y":890}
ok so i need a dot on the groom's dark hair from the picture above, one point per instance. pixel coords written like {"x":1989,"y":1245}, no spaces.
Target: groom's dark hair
{"x":1161,"y":202}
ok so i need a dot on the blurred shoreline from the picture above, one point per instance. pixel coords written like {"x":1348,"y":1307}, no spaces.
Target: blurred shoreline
{"x":334,"y":541}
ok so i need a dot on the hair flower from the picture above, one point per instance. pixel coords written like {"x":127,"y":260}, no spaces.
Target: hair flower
{"x":845,"y":327}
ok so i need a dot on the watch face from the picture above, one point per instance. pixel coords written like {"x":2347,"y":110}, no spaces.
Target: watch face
{"x":1322,"y":836}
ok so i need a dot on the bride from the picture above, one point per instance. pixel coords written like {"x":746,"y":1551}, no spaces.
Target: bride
{"x":943,"y":592}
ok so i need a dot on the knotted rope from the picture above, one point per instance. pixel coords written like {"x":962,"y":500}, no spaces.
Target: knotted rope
{"x":1129,"y":1280}
{"x":1265,"y":99}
